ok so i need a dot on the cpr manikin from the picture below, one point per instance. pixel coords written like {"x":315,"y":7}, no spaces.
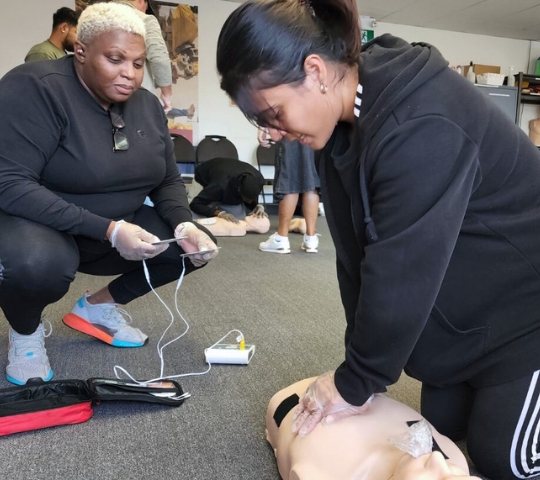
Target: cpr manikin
{"x":221,"y":227}
{"x":361,"y":447}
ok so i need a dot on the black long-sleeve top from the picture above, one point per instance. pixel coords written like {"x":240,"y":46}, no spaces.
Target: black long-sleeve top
{"x":57,"y":164}
{"x":220,"y":178}
{"x":434,"y":208}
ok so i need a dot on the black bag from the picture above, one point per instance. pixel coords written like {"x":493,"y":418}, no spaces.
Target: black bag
{"x":67,"y":402}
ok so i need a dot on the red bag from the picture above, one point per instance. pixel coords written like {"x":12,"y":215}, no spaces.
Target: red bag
{"x":43,"y":405}
{"x":67,"y":402}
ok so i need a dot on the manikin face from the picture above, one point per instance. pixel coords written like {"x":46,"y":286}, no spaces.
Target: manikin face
{"x":300,"y":112}
{"x":111,"y":67}
{"x":432,"y":466}
{"x":70,"y":38}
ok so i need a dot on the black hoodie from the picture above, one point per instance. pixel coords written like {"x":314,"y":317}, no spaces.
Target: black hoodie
{"x":447,"y":282}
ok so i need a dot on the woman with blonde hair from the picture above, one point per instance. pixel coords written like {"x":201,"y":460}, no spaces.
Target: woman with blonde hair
{"x":82,"y":148}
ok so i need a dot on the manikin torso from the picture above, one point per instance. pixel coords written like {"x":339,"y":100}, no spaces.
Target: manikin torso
{"x":356,"y":448}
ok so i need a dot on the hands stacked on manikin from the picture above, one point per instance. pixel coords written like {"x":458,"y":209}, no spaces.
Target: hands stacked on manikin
{"x":322,"y":402}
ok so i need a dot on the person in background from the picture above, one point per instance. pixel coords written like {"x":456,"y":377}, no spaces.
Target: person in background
{"x":295,"y":176}
{"x":434,"y":210}
{"x":227,"y":181}
{"x":157,"y":68}
{"x":534,"y":131}
{"x":81,"y":150}
{"x":62,"y":39}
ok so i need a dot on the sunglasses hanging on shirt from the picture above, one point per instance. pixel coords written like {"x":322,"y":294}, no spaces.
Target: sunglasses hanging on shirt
{"x":120,"y":141}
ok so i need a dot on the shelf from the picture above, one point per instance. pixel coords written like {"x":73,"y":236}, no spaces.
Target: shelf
{"x":531,"y":78}
{"x":528,"y":98}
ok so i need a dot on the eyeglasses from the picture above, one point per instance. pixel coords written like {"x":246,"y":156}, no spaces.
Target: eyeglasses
{"x":119,"y":139}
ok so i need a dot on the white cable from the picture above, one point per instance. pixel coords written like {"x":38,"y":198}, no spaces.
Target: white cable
{"x":160,"y":348}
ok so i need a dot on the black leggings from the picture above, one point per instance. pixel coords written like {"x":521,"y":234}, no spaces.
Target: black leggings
{"x":500,"y":424}
{"x":38,"y":263}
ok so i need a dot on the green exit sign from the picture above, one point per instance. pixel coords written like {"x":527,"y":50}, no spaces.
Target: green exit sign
{"x":367,"y":35}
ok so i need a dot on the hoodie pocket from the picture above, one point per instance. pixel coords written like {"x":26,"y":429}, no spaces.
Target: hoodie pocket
{"x":443,"y":352}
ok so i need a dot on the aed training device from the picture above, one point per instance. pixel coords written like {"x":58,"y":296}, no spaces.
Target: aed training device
{"x":231,"y":353}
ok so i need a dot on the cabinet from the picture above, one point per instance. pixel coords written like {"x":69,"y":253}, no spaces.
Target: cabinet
{"x":525,"y":81}
{"x":505,"y":97}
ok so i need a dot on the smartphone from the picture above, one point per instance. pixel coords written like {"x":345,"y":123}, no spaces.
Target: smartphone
{"x":168,"y":240}
{"x":200,"y":252}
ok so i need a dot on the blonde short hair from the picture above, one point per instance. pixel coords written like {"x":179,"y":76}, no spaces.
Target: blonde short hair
{"x":104,"y":17}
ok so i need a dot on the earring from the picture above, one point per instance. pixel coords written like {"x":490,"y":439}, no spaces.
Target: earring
{"x":323,"y":88}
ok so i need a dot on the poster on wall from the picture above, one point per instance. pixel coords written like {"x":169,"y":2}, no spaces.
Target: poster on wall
{"x":180,"y":27}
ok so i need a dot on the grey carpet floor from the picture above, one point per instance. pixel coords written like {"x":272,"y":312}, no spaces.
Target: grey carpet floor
{"x":287,"y":305}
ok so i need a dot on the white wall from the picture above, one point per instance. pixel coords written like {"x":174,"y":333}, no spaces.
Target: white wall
{"x":216,"y":116}
{"x":462,"y":48}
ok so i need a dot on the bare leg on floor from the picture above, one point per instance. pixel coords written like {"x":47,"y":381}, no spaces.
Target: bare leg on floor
{"x":286,"y":210}
{"x":310,"y":208}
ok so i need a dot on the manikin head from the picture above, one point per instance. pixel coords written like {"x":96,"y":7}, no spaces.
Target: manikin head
{"x":110,"y":52}
{"x":287,"y":65}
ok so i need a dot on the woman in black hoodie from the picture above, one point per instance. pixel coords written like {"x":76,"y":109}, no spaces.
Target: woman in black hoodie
{"x":432,"y":198}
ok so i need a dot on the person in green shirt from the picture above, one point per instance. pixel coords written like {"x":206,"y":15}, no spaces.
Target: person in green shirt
{"x":63,"y":36}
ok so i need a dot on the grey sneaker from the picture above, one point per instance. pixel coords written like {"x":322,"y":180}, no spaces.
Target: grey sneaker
{"x":310,"y":243}
{"x":27,"y":357}
{"x":106,"y":322}
{"x":274,"y":246}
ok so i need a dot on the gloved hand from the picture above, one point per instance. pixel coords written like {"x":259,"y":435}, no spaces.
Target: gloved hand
{"x":134,"y":243}
{"x":228,"y":216}
{"x":322,"y":401}
{"x":167,"y":102}
{"x":258,"y":212}
{"x":195,"y":241}
{"x":427,"y":467}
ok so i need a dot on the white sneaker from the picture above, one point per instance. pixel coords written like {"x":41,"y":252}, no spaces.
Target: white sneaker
{"x":275,"y":246}
{"x":310,"y":243}
{"x":106,"y":322}
{"x":27,"y":357}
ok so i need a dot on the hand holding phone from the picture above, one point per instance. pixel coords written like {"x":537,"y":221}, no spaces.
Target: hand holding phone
{"x":200,"y":252}
{"x":168,"y":240}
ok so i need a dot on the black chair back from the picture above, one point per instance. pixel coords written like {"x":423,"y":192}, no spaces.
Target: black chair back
{"x":215,"y":146}
{"x":184,"y":151}
{"x":266,"y":161}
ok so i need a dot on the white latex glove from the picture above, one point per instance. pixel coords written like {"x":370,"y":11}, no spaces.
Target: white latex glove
{"x":258,"y":212}
{"x":195,"y":241}
{"x":431,"y":466}
{"x":167,"y":102}
{"x":134,"y":242}
{"x":263,"y":138}
{"x":322,"y":401}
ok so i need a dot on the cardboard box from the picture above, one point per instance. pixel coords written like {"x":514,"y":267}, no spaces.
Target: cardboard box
{"x":479,"y":69}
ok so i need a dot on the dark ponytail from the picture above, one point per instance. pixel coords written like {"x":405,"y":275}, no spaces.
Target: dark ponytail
{"x":264,"y":43}
{"x":340,"y":18}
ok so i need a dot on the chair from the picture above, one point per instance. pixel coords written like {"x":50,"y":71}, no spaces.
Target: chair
{"x":185,"y":157}
{"x":215,"y":146}
{"x":266,"y":162}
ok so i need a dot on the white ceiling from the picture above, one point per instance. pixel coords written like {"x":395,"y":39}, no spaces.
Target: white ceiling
{"x":499,"y":18}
